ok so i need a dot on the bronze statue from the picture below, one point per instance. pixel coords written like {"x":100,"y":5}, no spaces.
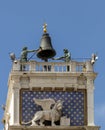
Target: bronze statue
{"x":24,"y":54}
{"x":66,"y":57}
{"x":23,"y":57}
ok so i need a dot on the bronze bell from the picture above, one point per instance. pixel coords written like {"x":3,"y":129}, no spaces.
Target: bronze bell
{"x":46,"y":50}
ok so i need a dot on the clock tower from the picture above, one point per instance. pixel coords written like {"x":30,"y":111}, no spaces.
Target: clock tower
{"x":53,"y":94}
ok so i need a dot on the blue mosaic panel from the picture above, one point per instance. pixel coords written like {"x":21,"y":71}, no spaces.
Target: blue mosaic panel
{"x":73,"y":105}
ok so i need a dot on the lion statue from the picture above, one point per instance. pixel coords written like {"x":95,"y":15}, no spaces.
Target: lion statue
{"x":52,"y":114}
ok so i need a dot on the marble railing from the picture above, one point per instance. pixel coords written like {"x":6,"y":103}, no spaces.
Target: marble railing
{"x":72,"y":66}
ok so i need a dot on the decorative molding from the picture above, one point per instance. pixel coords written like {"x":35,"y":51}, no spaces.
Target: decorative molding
{"x":54,"y":128}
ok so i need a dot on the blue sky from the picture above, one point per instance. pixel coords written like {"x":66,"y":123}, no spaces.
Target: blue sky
{"x":78,"y":25}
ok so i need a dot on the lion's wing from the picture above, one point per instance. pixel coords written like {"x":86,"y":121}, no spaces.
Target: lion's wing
{"x":44,"y":103}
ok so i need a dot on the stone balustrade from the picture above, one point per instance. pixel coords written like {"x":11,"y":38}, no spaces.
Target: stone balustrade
{"x":34,"y":66}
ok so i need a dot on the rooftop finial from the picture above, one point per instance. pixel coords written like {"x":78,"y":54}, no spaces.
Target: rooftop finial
{"x":45,"y":28}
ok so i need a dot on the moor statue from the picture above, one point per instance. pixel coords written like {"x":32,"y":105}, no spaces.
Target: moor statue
{"x":66,"y":57}
{"x":24,"y":55}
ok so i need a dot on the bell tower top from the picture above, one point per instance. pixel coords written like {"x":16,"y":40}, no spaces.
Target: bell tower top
{"x":56,"y":94}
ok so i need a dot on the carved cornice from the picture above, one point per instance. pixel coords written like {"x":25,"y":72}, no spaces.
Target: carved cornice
{"x":54,"y":127}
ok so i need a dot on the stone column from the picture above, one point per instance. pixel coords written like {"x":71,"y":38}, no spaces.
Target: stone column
{"x":16,"y":101}
{"x":32,"y":66}
{"x":73,"y":66}
{"x":16,"y":66}
{"x":90,"y":102}
{"x":89,"y":66}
